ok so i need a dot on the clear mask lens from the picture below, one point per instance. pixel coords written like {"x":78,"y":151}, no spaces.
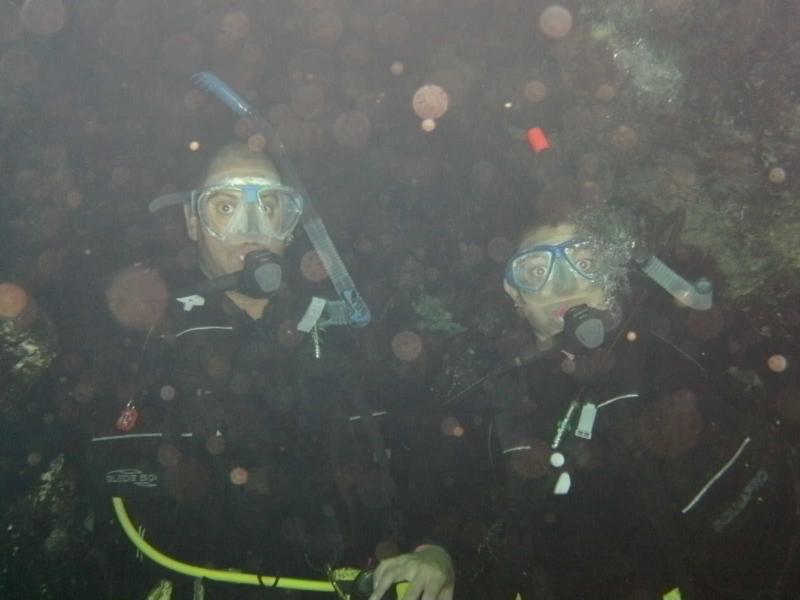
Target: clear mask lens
{"x":249,"y":212}
{"x":531,"y":269}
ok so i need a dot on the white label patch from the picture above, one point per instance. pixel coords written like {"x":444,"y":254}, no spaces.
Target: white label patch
{"x":313,"y":313}
{"x":586,"y":421}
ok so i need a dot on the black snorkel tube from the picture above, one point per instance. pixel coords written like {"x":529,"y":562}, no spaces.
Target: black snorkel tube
{"x":260,"y":277}
{"x":584,"y":330}
{"x":351,"y":308}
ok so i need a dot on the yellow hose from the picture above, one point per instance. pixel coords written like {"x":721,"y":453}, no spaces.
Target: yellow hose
{"x":213,"y":574}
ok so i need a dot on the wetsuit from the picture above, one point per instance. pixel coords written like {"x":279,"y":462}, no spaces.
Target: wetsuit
{"x":242,"y":447}
{"x":671,"y":485}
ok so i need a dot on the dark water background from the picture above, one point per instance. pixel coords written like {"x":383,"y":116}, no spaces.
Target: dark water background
{"x":649,"y":104}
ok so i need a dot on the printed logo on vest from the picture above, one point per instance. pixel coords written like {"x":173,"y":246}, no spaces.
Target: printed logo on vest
{"x":735,"y":509}
{"x":136,"y":477}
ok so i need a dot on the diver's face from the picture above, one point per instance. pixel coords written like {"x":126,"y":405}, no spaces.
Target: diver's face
{"x":219,"y":257}
{"x":564,"y":289}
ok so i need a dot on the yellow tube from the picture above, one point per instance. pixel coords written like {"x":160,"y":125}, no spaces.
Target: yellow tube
{"x":213,"y":574}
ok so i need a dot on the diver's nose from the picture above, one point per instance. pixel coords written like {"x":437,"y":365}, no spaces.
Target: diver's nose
{"x":563,"y":278}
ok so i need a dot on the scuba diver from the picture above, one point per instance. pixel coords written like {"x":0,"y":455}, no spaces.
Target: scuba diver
{"x":627,"y":473}
{"x":233,"y":438}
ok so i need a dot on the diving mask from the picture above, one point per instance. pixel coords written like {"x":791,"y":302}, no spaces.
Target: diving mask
{"x":242,"y":209}
{"x":236,"y":210}
{"x":532,"y":268}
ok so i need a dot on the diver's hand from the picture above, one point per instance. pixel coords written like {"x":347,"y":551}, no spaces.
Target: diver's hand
{"x":428,"y":571}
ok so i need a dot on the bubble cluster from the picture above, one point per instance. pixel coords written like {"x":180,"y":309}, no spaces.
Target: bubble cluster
{"x":218,"y":367}
{"x":137,"y":297}
{"x":535,"y":91}
{"x":407,"y":346}
{"x":777,"y":363}
{"x":215,"y":444}
{"x":605,"y":92}
{"x":471,"y":254}
{"x":257,"y":142}
{"x":168,"y":455}
{"x":777,"y":175}
{"x":236,"y":24}
{"x":239,"y":476}
{"x":83,"y":391}
{"x":555,"y":21}
{"x":624,"y":138}
{"x":43,"y":17}
{"x":428,"y":125}
{"x":312,"y":267}
{"x":451,"y":427}
{"x":352,"y":129}
{"x":13,"y":300}
{"x":430,"y":102}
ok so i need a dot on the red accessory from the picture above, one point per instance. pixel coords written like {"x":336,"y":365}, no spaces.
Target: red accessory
{"x":127,"y":418}
{"x":537,"y":139}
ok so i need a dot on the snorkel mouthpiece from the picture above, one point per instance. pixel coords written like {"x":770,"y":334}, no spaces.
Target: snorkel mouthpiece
{"x":259,"y":278}
{"x":261,"y":275}
{"x":584,"y":326}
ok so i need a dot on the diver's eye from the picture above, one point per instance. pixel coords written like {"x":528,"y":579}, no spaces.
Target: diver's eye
{"x":222,"y":204}
{"x":225,"y":209}
{"x":537,"y":271}
{"x":586,"y":265}
{"x":269,"y":204}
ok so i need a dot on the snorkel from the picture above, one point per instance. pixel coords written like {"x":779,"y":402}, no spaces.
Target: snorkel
{"x":644,"y":257}
{"x":696,"y":295}
{"x":350,"y":309}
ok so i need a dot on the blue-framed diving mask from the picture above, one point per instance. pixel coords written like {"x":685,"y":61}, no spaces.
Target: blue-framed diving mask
{"x":530,"y":269}
{"x":237,"y":210}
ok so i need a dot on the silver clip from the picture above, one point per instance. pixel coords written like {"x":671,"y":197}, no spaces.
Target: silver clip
{"x":315,"y":337}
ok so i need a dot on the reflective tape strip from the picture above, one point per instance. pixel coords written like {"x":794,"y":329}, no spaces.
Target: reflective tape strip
{"x":207,"y":328}
{"x":716,"y":476}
